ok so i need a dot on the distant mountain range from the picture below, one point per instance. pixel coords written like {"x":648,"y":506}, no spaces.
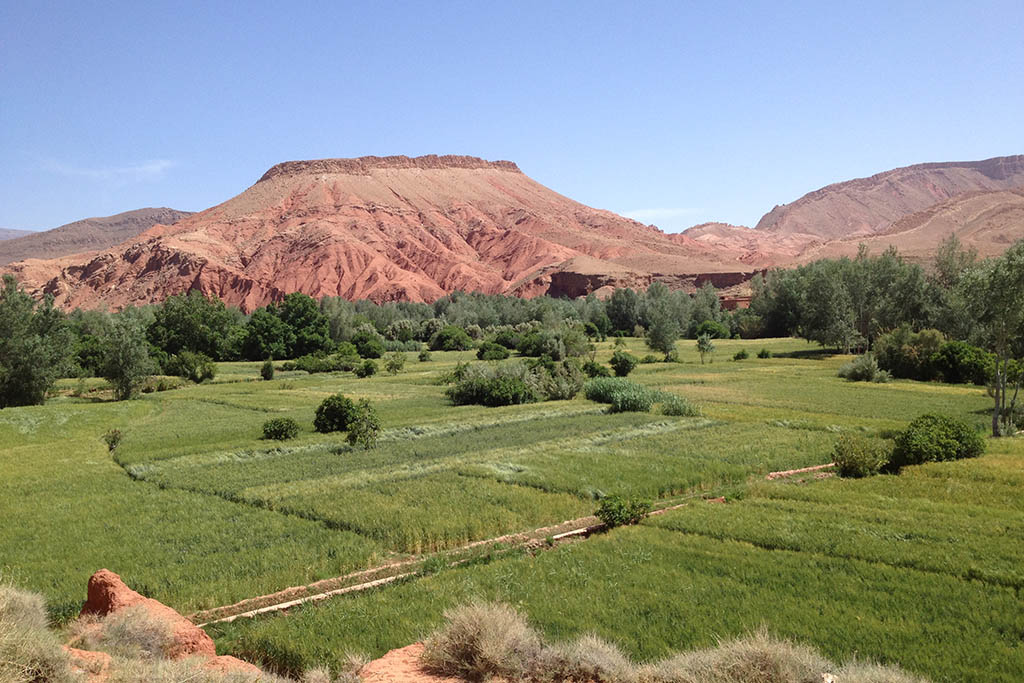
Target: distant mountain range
{"x":89,"y":234}
{"x":8,"y":234}
{"x":400,"y":228}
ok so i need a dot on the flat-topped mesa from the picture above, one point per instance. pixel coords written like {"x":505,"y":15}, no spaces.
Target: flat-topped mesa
{"x":363,"y":165}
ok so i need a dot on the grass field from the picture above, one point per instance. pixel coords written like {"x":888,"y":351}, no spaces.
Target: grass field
{"x":194,"y":509}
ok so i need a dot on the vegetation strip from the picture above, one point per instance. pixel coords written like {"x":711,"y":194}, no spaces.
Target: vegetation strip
{"x":582,"y":527}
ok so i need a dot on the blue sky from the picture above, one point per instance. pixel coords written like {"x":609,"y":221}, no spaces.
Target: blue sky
{"x":673,"y":112}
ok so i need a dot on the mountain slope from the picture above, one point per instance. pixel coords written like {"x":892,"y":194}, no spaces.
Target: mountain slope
{"x":89,"y":234}
{"x":382,"y":228}
{"x":10,"y":234}
{"x":868,"y":206}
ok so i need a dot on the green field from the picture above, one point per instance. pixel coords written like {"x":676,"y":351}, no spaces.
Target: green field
{"x":194,"y":509}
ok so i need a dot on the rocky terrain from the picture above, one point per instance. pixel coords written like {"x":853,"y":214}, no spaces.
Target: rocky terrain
{"x":385,"y":228}
{"x":89,"y":234}
{"x":401,"y":228}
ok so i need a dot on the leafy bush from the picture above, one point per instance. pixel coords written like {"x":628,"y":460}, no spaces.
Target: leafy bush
{"x":619,"y":341}
{"x":560,"y":381}
{"x":623,"y":363}
{"x":677,"y":406}
{"x":368,"y":344}
{"x":505,"y":384}
{"x":713,"y":329}
{"x":196,"y":367}
{"x":281,"y":429}
{"x":491,"y":351}
{"x":367,"y":368}
{"x":594,"y":369}
{"x":935,"y":438}
{"x":632,"y":399}
{"x":394,"y":362}
{"x":162,"y":383}
{"x":857,"y":456}
{"x":741,"y":355}
{"x":863,"y":368}
{"x":334,"y":414}
{"x":764,"y":353}
{"x":407,"y":346}
{"x":618,"y":511}
{"x":424,"y":356}
{"x":451,"y":338}
{"x":909,"y":354}
{"x":364,"y":426}
{"x":112,"y":438}
{"x":648,"y":359}
{"x":958,"y":362}
{"x":483,"y":641}
{"x":601,"y":389}
{"x":267,"y":370}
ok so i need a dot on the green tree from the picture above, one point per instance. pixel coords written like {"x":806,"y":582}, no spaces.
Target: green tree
{"x":126,"y":361}
{"x":705,"y":346}
{"x":267,"y":336}
{"x":995,"y":291}
{"x":663,"y":329}
{"x":36,"y":346}
{"x":623,"y":310}
{"x":193,"y":322}
{"x":301,"y":313}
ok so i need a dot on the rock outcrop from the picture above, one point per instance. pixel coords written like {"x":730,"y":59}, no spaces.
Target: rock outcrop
{"x":107,"y":593}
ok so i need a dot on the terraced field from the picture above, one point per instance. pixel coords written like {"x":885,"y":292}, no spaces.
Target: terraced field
{"x":194,"y":509}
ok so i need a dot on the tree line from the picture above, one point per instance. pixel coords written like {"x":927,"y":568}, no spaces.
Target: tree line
{"x":845,"y":303}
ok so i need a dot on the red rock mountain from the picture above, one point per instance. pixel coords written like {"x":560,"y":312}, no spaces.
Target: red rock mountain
{"x":384,"y":228}
{"x":878,"y":210}
{"x":89,"y":234}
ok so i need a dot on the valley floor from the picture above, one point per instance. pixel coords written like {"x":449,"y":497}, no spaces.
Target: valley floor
{"x":195,"y":510}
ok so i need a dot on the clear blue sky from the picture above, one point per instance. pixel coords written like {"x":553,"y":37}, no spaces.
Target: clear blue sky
{"x":673,"y":112}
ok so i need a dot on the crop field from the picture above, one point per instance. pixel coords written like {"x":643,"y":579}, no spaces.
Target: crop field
{"x":195,"y":509}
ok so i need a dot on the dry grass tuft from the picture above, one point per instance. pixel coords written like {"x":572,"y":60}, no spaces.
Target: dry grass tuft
{"x":29,"y":652}
{"x":482,"y":641}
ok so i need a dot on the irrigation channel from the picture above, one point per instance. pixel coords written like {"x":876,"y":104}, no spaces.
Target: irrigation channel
{"x":355,"y":582}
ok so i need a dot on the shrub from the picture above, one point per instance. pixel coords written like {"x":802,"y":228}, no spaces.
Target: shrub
{"x":492,"y":351}
{"x":267,"y":370}
{"x":622,"y":363}
{"x":482,"y":641}
{"x":677,"y":406}
{"x":863,"y":368}
{"x":935,"y":438}
{"x":958,"y":362}
{"x":712,"y":329}
{"x":424,"y":356}
{"x":857,"y":456}
{"x":601,"y":389}
{"x":648,"y":359}
{"x":618,"y":511}
{"x":560,"y":381}
{"x":909,"y":354}
{"x":162,"y":383}
{"x":672,"y":356}
{"x":133,"y":631}
{"x":619,"y":341}
{"x":320,"y":363}
{"x":280,"y":428}
{"x":451,"y":338}
{"x":632,"y":399}
{"x":741,"y":355}
{"x":112,"y":438}
{"x":588,"y":658}
{"x":364,"y":427}
{"x":394,"y":362}
{"x":705,"y":346}
{"x":510,"y":383}
{"x":594,"y":369}
{"x":395,"y":345}
{"x":368,"y":344}
{"x":334,"y":414}
{"x":29,"y":651}
{"x":367,"y":368}
{"x":196,"y":367}
{"x":764,"y":353}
